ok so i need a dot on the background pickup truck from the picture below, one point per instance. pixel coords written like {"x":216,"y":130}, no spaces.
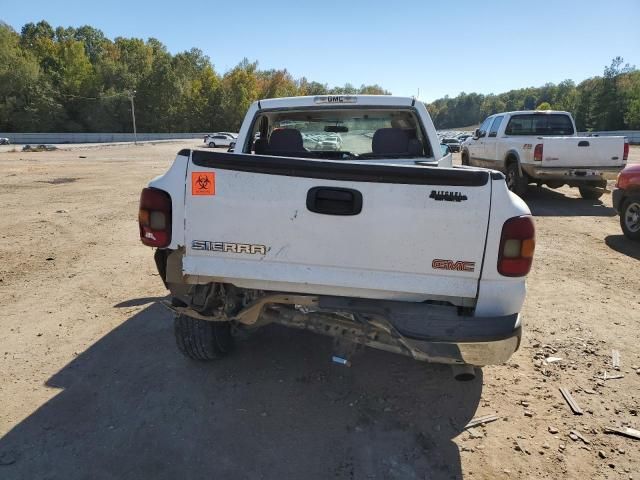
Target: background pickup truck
{"x":381,"y":243}
{"x":543,"y":147}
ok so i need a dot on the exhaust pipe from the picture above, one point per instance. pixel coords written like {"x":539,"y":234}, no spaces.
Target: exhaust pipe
{"x":464,"y":373}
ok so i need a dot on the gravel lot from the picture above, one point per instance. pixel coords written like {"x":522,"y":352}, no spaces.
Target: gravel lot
{"x":92,"y":385}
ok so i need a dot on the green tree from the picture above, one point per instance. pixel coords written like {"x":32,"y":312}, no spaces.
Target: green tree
{"x":239,"y":90}
{"x":76,"y":79}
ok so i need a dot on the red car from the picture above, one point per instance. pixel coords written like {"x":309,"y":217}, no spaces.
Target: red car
{"x":626,"y":200}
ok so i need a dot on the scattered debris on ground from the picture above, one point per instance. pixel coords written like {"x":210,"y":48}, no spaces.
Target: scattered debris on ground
{"x":62,"y":274}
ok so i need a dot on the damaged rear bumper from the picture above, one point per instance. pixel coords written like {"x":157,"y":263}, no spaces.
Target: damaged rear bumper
{"x":438,"y":333}
{"x":424,"y":331}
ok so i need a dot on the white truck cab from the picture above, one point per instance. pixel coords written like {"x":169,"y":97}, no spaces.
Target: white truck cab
{"x":381,"y":242}
{"x":543,"y":147}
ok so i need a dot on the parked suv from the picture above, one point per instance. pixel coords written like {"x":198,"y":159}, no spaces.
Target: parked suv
{"x":219,"y":140}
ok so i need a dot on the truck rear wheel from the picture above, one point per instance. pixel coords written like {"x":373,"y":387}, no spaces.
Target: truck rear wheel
{"x":590,"y":193}
{"x":630,"y":218}
{"x":465,"y":158}
{"x":201,"y":339}
{"x":516,"y":182}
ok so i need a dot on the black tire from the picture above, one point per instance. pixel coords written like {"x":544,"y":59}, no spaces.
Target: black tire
{"x":630,"y":218}
{"x":465,"y":158}
{"x":590,"y":193}
{"x":201,"y":339}
{"x":212,"y":145}
{"x":516,"y":182}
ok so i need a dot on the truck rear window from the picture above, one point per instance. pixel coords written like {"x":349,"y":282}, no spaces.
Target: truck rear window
{"x":340,"y":133}
{"x":539,"y":124}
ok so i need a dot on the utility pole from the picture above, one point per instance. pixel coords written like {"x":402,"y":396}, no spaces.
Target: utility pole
{"x":132,"y":94}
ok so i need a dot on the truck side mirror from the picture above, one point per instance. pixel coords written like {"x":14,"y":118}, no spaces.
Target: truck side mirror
{"x":476,"y":134}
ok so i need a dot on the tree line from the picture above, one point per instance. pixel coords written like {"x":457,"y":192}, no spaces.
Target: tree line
{"x":77,"y":80}
{"x":607,"y":102}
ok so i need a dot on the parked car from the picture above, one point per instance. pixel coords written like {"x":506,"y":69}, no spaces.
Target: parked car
{"x":626,"y":201}
{"x":452,"y":143}
{"x":543,"y":147}
{"x":219,"y":140}
{"x":416,"y":257}
{"x":230,"y":134}
{"x":329,"y":143}
{"x":4,"y":141}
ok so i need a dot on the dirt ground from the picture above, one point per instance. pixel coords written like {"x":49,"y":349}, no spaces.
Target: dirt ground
{"x":92,"y":385}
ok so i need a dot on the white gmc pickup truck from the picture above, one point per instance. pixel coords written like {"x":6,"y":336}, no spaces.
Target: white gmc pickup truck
{"x":382,"y":242}
{"x":543,"y":147}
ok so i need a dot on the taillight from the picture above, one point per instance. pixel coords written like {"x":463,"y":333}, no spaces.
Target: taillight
{"x":625,"y":154}
{"x":517,"y":244}
{"x":537,"y":153}
{"x":154,"y":217}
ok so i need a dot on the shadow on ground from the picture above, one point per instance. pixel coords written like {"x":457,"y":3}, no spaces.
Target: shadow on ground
{"x":545,"y":202}
{"x":136,"y":302}
{"x":623,"y":245}
{"x":131,"y":407}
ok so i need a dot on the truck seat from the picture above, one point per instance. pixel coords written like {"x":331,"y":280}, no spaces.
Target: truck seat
{"x":286,"y":140}
{"x":390,"y":141}
{"x":260,"y":146}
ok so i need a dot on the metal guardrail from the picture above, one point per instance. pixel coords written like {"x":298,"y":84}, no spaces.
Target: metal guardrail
{"x":57,"y":138}
{"x":38,"y":138}
{"x":632,"y":135}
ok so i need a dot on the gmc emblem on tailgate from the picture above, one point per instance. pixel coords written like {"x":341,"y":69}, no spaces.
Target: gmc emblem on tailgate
{"x":458,"y":266}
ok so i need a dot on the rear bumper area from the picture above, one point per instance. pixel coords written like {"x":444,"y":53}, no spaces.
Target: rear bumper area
{"x":572,"y":174}
{"x":437,"y":333}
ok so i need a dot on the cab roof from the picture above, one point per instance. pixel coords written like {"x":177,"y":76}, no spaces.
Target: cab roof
{"x":524,"y":112}
{"x":336,"y":101}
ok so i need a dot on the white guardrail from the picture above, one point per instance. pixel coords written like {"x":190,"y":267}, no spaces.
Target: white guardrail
{"x":57,"y":138}
{"x":39,"y":138}
{"x":632,"y":135}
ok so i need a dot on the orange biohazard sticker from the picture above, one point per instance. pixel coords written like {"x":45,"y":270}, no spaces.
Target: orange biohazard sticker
{"x":203,"y":183}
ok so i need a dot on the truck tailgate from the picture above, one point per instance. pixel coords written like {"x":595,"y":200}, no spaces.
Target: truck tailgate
{"x":583,"y":152}
{"x":333,"y":227}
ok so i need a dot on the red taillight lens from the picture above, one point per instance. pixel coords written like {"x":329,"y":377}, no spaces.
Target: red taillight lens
{"x":537,"y":153}
{"x":154,"y":218}
{"x":517,"y":245}
{"x":625,"y":154}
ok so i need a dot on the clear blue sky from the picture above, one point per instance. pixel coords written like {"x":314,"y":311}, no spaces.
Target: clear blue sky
{"x":440,"y":47}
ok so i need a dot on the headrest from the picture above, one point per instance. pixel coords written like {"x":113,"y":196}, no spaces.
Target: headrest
{"x":286,"y":140}
{"x":390,"y":140}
